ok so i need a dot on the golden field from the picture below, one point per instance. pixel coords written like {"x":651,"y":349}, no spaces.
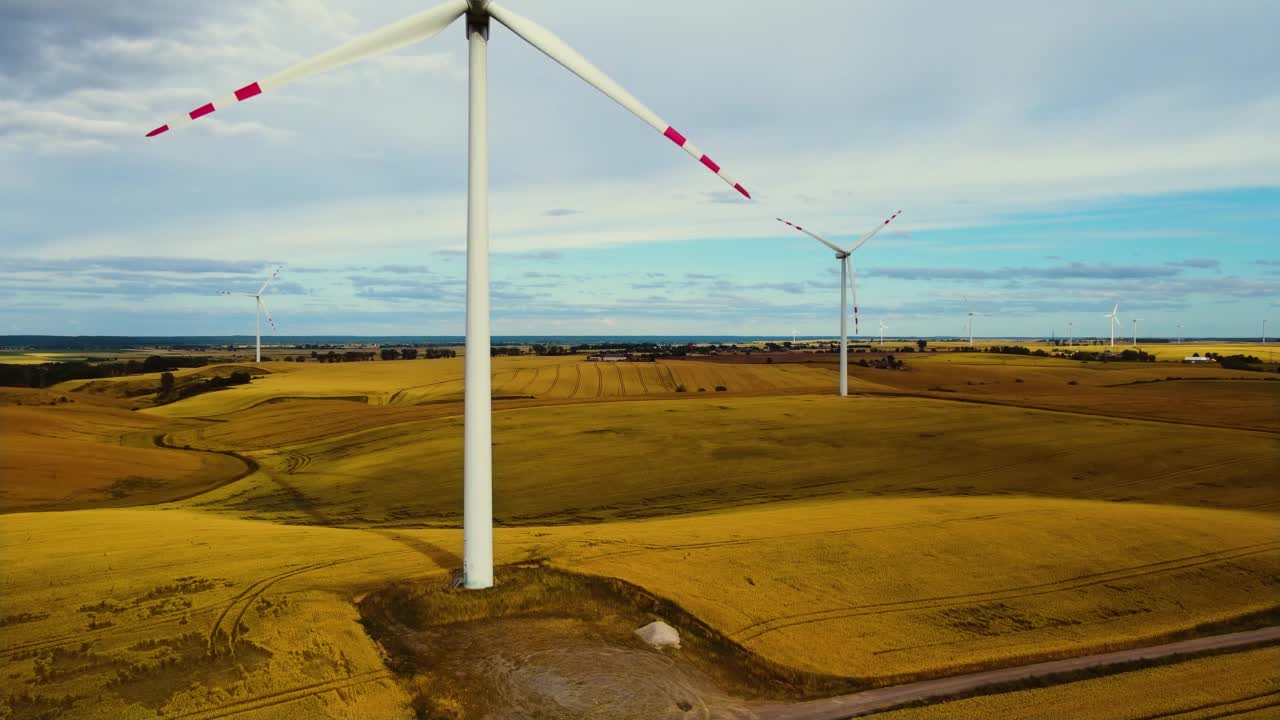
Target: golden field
{"x":945,"y":518}
{"x":144,"y":607}
{"x":1243,"y":685}
{"x":347,"y":463}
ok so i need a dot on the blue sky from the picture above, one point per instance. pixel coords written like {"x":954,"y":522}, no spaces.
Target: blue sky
{"x":1049,"y":162}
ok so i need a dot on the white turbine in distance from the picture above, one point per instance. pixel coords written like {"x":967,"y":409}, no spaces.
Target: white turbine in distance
{"x":972,"y":314}
{"x":1115,"y":320}
{"x":477,"y":523}
{"x":883,"y":327}
{"x":848,"y":273}
{"x":1179,"y":332}
{"x":1135,"y":331}
{"x":1264,"y":332}
{"x":1071,"y":333}
{"x":260,"y":306}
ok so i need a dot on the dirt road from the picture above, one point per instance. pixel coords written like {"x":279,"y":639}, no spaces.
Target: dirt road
{"x":869,"y":701}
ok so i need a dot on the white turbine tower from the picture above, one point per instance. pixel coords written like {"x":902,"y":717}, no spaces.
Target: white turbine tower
{"x":1179,"y":332}
{"x":847,"y":273}
{"x":972,"y":314}
{"x":477,"y":533}
{"x":260,"y":306}
{"x":1115,"y":320}
{"x":1264,"y":332}
{"x":1071,"y":331}
{"x":883,"y":327}
{"x":1135,"y":331}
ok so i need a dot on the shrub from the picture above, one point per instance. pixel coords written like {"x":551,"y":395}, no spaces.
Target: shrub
{"x":1072,"y":382}
{"x":1017,"y":379}
{"x":721,"y":388}
{"x":702,"y":389}
{"x":681,"y":388}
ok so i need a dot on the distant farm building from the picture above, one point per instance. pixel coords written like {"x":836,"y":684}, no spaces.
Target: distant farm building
{"x":620,"y":357}
{"x":1196,"y":359}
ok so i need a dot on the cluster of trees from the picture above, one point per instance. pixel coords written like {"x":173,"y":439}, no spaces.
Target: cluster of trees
{"x":46,"y":374}
{"x":1127,"y":355}
{"x":399,"y":353}
{"x":1237,"y":362}
{"x":171,"y":391}
{"x":888,"y":362}
{"x":1017,"y":350}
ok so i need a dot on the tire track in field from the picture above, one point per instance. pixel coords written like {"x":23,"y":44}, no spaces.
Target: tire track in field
{"x":525,"y":387}
{"x":644,"y":386}
{"x":251,"y":593}
{"x":576,"y":382}
{"x":764,"y":627}
{"x":675,"y":383}
{"x":79,"y":636}
{"x":600,"y":380}
{"x":554,"y":381}
{"x":1217,"y":705}
{"x":999,"y":468}
{"x":284,"y":697}
{"x":635,"y":548}
{"x":622,"y":382}
{"x":401,"y":391}
{"x":1175,"y":473}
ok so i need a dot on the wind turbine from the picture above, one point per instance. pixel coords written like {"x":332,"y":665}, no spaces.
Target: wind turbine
{"x":1135,"y":331}
{"x":260,"y":306}
{"x":971,"y":316}
{"x":1264,"y":331}
{"x":883,"y":327}
{"x":1115,"y":320}
{"x":477,"y":524}
{"x":1071,"y":330}
{"x":846,"y":273}
{"x":1179,"y":332}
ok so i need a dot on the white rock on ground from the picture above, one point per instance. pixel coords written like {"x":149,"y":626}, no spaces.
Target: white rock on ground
{"x":660,"y":635}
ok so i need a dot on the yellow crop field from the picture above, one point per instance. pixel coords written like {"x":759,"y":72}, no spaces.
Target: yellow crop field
{"x":134,"y":612}
{"x":972,"y":510}
{"x":69,"y":455}
{"x":542,"y":378}
{"x":1164,"y":351}
{"x":356,"y":464}
{"x":1242,"y":685}
{"x":1040,"y":577}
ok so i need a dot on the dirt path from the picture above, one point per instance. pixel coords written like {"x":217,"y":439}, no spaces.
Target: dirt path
{"x":870,"y":701}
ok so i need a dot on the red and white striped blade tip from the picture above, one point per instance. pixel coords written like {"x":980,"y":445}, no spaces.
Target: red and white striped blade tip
{"x":244,"y":93}
{"x":681,"y":141}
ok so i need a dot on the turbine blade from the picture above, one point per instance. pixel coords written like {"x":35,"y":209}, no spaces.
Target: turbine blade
{"x":877,"y":229}
{"x":813,"y":235}
{"x":396,"y":35}
{"x":573,"y":61}
{"x":853,"y":290}
{"x":269,"y":280}
{"x":268,"y":313}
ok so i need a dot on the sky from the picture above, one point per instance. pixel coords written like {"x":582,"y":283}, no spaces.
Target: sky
{"x":1050,"y":160}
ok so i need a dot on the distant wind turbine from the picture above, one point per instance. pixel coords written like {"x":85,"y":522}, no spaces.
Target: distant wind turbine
{"x":793,"y":336}
{"x":883,"y":327}
{"x":1135,"y":331}
{"x":477,"y":453}
{"x":847,"y":273}
{"x":260,"y":306}
{"x":1115,"y":320}
{"x":1264,"y":331}
{"x":1071,"y":330}
{"x":971,"y":316}
{"x":1179,"y":332}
